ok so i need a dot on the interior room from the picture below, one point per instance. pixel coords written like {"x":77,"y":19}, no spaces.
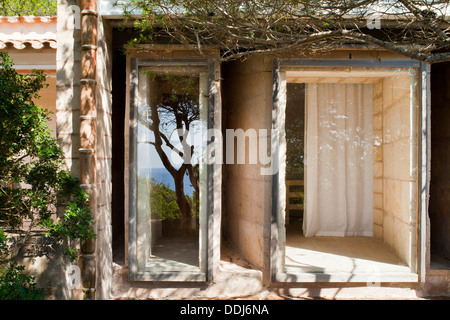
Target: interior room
{"x":350,"y":174}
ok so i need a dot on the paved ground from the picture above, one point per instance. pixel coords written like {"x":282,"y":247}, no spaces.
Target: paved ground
{"x":238,"y":279}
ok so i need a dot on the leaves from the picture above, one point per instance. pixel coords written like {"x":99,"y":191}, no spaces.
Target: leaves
{"x":3,"y":244}
{"x":32,"y":182}
{"x":15,"y":284}
{"x":28,"y":8}
{"x":163,"y":201}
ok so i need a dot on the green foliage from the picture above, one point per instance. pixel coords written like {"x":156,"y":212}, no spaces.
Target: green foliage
{"x":163,"y":201}
{"x":194,"y":203}
{"x":32,"y":183}
{"x":31,"y":180}
{"x":28,"y":8}
{"x":295,"y":137}
{"x":76,"y":223}
{"x":77,"y":220}
{"x":15,"y":284}
{"x":3,"y":244}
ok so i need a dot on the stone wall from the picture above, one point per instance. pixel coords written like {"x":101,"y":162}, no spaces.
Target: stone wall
{"x":68,"y":77}
{"x":68,"y":59}
{"x":395,"y":214}
{"x":378,"y":209}
{"x":68,"y":111}
{"x":103,"y":160}
{"x":247,"y":100}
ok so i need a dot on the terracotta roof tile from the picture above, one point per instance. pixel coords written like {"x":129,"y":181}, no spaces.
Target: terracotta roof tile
{"x":28,"y":31}
{"x":28,"y":19}
{"x":19,"y":45}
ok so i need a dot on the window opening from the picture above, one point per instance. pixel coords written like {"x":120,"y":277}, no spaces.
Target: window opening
{"x":349,"y":147}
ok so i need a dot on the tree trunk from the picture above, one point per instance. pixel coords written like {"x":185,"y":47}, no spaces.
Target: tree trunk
{"x":182,"y":202}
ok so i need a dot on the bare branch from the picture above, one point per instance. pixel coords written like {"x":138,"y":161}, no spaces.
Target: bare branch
{"x":239,"y":28}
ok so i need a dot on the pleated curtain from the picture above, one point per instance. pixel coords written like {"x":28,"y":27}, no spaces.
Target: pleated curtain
{"x":339,"y":160}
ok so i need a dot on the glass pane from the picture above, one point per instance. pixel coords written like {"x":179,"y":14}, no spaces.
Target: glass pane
{"x":169,"y":145}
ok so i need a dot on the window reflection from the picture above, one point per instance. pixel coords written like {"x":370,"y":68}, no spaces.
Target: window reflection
{"x":168,"y":174}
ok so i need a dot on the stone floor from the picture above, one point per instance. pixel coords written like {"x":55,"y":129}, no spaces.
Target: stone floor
{"x":315,"y":255}
{"x":440,"y":261}
{"x":343,"y":259}
{"x":355,"y":257}
{"x":176,"y":253}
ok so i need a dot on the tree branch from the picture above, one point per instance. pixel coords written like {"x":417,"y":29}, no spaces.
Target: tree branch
{"x":241,"y":28}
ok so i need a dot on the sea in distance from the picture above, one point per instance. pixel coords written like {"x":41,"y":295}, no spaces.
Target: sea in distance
{"x":162,"y":175}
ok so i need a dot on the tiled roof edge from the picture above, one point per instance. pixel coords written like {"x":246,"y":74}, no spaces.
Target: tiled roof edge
{"x":36,"y":44}
{"x":28,"y":19}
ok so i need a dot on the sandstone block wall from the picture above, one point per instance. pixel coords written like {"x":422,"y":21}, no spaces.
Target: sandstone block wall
{"x":104,"y":160}
{"x":247,"y":104}
{"x":395,"y":165}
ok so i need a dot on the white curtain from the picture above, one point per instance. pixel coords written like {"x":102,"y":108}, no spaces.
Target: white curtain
{"x":339,"y":162}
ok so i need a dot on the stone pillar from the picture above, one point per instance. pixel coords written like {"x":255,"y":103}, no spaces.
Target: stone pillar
{"x":88,"y":103}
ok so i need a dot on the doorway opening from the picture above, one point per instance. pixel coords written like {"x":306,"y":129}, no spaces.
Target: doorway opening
{"x":440,"y":143}
{"x":349,"y":182}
